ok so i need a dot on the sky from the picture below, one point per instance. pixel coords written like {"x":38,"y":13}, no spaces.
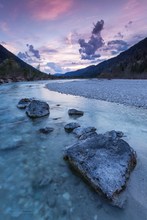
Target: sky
{"x":58,"y":36}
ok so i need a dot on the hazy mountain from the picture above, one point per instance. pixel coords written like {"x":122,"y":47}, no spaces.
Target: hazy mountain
{"x":131,"y":63}
{"x":14,"y":69}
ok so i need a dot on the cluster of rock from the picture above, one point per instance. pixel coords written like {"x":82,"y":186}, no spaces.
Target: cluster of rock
{"x":34,"y":108}
{"x":104,"y":160}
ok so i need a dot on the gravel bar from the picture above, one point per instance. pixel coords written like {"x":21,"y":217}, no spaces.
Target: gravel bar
{"x":127,"y":92}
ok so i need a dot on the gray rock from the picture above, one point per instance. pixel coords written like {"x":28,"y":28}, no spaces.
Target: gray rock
{"x":104,"y":162}
{"x":71,"y":126}
{"x":23,"y":103}
{"x":37,"y":109}
{"x":88,"y":135}
{"x":46,"y":130}
{"x":75,"y":112}
{"x":114,"y":134}
{"x":83,"y":131}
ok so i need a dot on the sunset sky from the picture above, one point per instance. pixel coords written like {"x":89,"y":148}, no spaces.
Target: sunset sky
{"x":64,"y":35}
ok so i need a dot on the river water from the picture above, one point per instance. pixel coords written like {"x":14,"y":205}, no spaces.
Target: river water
{"x":28,"y":158}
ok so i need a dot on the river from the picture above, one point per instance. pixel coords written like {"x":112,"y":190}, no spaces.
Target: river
{"x":28,"y":157}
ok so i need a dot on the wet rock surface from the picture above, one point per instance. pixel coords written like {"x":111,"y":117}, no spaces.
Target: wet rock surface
{"x":71,"y":126}
{"x":46,"y":130}
{"x":75,"y":112}
{"x":82,"y":133}
{"x":23,"y":103}
{"x":105,"y":162}
{"x":37,"y":109}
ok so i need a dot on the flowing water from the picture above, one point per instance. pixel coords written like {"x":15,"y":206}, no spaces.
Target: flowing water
{"x":28,"y":157}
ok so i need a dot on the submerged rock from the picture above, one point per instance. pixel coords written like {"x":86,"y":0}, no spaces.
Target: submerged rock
{"x":106,"y":163}
{"x":37,"y":109}
{"x":23,"y":103}
{"x":71,"y":126}
{"x":46,"y":130}
{"x":75,"y":112}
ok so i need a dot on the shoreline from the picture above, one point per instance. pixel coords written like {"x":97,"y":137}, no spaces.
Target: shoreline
{"x":121,"y":91}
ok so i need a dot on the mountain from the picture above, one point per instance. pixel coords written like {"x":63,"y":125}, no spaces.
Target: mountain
{"x":131,"y":63}
{"x":14,"y":69}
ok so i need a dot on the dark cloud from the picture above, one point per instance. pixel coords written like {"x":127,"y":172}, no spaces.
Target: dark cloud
{"x":119,"y":35}
{"x":33,"y":51}
{"x":88,"y":49}
{"x":48,"y":50}
{"x":53,"y":67}
{"x":116,"y":46}
{"x":23,"y":56}
{"x":128,"y":24}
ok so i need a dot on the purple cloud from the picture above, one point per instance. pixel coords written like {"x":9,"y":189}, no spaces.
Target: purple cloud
{"x":33,"y":51}
{"x":88,"y":49}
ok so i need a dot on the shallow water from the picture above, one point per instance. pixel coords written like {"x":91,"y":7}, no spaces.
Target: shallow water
{"x":26,"y":157}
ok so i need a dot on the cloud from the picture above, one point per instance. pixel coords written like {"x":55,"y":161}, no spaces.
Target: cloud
{"x":34,"y":52}
{"x":23,"y":56}
{"x":3,"y":43}
{"x":116,"y":46}
{"x":52,"y":68}
{"x":49,"y":9}
{"x":72,"y":38}
{"x":88,"y":49}
{"x":119,"y":35}
{"x":128,"y":25}
{"x":48,"y":50}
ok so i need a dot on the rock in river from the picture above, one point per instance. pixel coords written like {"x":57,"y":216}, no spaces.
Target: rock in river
{"x":37,"y":109}
{"x":71,"y":126}
{"x":46,"y":130}
{"x":105,"y":162}
{"x":75,"y":112}
{"x":83,"y":133}
{"x":23,"y":103}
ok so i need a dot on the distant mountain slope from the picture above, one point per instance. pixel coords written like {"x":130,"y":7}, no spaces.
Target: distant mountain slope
{"x":14,"y":69}
{"x":131,"y":63}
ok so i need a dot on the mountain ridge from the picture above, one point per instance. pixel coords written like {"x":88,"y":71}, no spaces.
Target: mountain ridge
{"x":12,"y":68}
{"x":131,"y":63}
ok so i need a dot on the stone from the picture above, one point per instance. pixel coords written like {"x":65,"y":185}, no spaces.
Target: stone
{"x":79,"y":132}
{"x":71,"y":126}
{"x":75,"y":112}
{"x":37,"y":109}
{"x":106,"y":163}
{"x":114,"y":134}
{"x":46,"y":130}
{"x":88,"y":135}
{"x":23,"y":103}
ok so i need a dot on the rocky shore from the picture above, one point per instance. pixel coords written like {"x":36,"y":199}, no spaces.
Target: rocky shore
{"x":127,"y":92}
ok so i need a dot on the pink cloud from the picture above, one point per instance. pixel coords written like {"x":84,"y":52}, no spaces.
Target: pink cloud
{"x":49,"y":9}
{"x":134,"y":9}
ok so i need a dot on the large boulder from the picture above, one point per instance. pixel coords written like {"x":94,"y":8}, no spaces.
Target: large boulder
{"x":75,"y":112}
{"x":71,"y":126}
{"x":37,"y":109}
{"x":23,"y":103}
{"x":105,"y":162}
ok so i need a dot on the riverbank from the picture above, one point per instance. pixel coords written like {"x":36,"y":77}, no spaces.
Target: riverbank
{"x":127,"y":92}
